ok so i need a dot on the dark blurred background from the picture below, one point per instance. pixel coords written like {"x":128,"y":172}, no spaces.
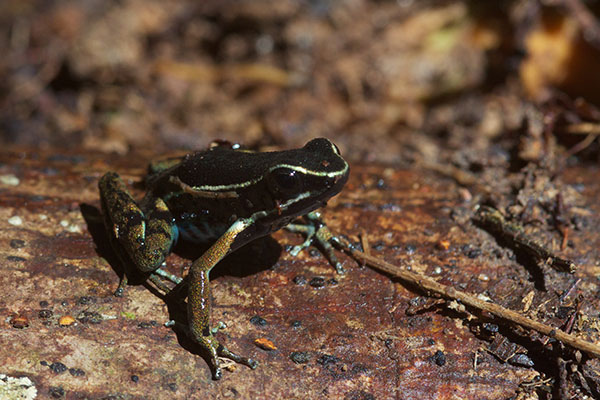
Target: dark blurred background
{"x":389,"y":81}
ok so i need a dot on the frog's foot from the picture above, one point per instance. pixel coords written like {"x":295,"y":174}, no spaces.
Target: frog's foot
{"x":159,"y":284}
{"x":214,"y":348}
{"x":167,"y":275}
{"x":154,"y":278}
{"x":220,"y":326}
{"x":317,"y":232}
{"x":223,"y":351}
{"x":159,"y":273}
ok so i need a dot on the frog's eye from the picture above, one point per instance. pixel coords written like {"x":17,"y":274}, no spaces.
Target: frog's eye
{"x":284,"y":181}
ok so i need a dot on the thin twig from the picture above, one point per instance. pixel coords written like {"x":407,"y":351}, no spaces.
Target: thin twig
{"x":586,"y":19}
{"x":364,"y":238}
{"x":567,"y":292}
{"x":583,"y":128}
{"x":431,"y":285}
{"x":588,"y":140}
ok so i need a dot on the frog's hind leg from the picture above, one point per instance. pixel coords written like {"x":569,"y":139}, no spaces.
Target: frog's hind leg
{"x":143,"y":238}
{"x":199,"y":300}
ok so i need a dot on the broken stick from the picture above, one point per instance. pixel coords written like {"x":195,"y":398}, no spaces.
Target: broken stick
{"x":448,"y":292}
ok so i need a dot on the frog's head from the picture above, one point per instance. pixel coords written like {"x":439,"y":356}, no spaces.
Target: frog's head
{"x":306,"y":178}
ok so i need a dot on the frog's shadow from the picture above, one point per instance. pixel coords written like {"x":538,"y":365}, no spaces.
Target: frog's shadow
{"x":259,"y":255}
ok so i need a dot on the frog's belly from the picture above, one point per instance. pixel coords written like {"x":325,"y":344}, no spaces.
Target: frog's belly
{"x":201,"y":232}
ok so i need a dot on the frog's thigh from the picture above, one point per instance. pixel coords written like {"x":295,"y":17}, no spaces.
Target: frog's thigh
{"x":147,"y":239}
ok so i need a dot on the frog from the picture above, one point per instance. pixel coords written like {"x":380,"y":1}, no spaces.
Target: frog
{"x":224,"y":197}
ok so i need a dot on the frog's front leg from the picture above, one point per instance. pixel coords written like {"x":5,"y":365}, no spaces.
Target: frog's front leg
{"x":316,"y":231}
{"x":144,"y":239}
{"x":199,"y":298}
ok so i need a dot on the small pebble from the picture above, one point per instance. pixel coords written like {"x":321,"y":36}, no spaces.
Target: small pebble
{"x":299,"y":280}
{"x":76,"y":372}
{"x":66,"y":320}
{"x":443,"y":244}
{"x":439,"y":358}
{"x":265,"y":344}
{"x":410,"y":249}
{"x":57,"y":392}
{"x":473,"y":252}
{"x":172,"y":386}
{"x":300,"y":357}
{"x":317,"y":282}
{"x":258,"y":321}
{"x":378,"y":245}
{"x":90,"y":317}
{"x":17,"y":243}
{"x":83,"y":300}
{"x":16,"y":220}
{"x":19,"y":321}
{"x":58,"y":367}
{"x":327,"y":359}
{"x":9,"y":180}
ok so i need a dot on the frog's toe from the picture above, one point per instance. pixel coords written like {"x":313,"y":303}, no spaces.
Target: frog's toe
{"x":121,"y":289}
{"x":219,"y":326}
{"x":340,"y":268}
{"x":217,"y":373}
{"x":252,"y":363}
{"x":297,"y":249}
{"x":225,"y":352}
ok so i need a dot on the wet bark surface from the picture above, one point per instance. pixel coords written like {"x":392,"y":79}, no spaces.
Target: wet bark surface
{"x":354,"y":336}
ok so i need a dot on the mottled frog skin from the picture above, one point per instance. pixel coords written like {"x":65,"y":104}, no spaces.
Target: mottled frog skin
{"x":225,"y":197}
